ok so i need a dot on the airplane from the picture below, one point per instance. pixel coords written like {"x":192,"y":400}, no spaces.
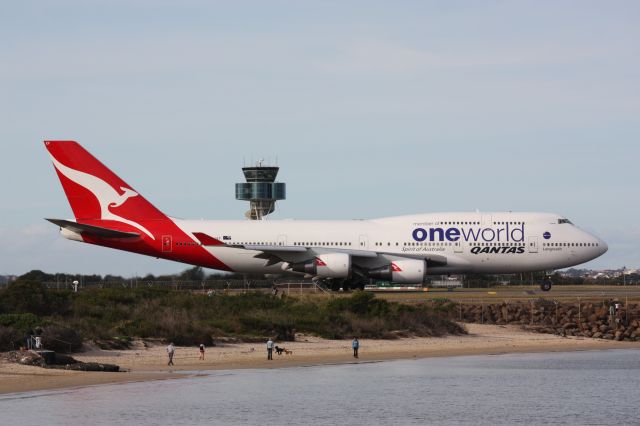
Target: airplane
{"x":343,"y":254}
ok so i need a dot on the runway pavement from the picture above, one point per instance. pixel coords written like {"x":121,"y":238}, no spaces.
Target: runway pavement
{"x":521,"y":293}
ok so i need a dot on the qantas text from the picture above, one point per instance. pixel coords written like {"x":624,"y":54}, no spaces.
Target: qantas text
{"x":506,"y":233}
{"x":498,"y":250}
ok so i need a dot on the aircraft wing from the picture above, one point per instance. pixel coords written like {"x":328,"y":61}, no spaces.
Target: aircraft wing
{"x":277,"y":253}
{"x":96,"y":231}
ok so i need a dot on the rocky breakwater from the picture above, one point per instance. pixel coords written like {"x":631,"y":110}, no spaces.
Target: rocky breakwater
{"x":58,"y":361}
{"x":587,"y":319}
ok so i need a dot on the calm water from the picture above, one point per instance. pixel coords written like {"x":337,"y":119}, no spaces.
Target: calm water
{"x":586,"y":388}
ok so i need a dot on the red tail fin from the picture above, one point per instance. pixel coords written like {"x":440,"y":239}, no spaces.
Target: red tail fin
{"x":95,"y":192}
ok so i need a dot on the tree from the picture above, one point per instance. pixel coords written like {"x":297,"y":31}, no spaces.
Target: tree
{"x":193,"y":274}
{"x":36,"y":275}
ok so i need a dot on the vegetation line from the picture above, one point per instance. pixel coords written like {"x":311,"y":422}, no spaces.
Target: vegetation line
{"x":112,"y":317}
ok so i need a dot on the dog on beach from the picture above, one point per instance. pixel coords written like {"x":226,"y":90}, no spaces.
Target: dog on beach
{"x":279,"y":350}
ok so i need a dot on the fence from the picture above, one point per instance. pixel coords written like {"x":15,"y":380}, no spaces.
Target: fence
{"x":248,"y":284}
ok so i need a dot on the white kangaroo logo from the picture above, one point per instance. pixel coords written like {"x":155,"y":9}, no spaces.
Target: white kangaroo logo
{"x":106,"y":195}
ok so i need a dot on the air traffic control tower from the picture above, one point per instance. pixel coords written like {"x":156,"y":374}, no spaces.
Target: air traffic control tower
{"x":261,"y":190}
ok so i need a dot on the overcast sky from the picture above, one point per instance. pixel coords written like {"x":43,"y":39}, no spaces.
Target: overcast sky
{"x":371,"y":108}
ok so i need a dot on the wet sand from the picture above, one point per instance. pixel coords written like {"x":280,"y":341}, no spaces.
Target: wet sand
{"x":150,"y":363}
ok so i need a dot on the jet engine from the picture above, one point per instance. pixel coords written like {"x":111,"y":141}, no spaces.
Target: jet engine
{"x":327,"y":265}
{"x":407,"y":271}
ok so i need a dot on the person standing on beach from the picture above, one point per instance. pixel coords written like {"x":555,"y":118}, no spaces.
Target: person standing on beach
{"x":170,"y":351}
{"x":202,"y":351}
{"x":355,"y":345}
{"x":270,"y":349}
{"x":612,"y":312}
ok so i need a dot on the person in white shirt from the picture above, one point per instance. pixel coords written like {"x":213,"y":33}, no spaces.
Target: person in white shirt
{"x":170,"y":351}
{"x":270,"y":349}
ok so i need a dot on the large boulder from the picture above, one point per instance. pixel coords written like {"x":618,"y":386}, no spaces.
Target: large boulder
{"x":31,"y":358}
{"x":92,"y":366}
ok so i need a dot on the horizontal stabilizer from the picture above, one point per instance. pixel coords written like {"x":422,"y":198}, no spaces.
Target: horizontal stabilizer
{"x":96,"y":231}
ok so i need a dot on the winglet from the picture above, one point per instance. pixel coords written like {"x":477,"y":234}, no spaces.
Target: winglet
{"x":207,"y":240}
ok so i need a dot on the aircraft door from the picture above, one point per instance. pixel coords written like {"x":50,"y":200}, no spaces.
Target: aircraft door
{"x":364,"y":242}
{"x":167,"y":244}
{"x":282,"y":240}
{"x":533,"y":244}
{"x":486,"y":220}
{"x":457,"y":246}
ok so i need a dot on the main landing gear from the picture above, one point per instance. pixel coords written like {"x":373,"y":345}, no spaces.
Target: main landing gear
{"x":545,"y":284}
{"x":346,"y":284}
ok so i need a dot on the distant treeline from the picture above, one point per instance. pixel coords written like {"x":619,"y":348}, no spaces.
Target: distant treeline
{"x":191,"y":274}
{"x":112,"y":317}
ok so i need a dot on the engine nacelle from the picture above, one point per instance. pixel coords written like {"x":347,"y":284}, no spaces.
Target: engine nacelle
{"x":408,"y":271}
{"x":327,"y":265}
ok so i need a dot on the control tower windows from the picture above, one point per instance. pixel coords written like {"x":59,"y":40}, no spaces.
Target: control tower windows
{"x":261,"y":190}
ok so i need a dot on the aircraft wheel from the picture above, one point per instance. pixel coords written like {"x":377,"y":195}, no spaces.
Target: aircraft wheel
{"x":545,"y":285}
{"x":335,"y":285}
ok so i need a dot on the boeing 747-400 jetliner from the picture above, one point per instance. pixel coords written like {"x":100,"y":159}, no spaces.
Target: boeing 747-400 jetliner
{"x":341,"y":253}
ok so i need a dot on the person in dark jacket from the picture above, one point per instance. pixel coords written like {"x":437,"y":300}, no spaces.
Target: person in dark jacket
{"x":355,"y":345}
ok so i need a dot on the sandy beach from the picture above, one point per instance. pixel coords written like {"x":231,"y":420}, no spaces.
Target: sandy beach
{"x":144,"y":362}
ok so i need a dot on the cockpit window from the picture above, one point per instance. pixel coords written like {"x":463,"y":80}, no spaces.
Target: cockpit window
{"x":564,"y":221}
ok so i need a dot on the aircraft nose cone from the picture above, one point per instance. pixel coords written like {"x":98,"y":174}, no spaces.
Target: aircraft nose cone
{"x":603,"y":247}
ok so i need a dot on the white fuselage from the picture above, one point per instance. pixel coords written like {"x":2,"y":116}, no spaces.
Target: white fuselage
{"x":470,"y":242}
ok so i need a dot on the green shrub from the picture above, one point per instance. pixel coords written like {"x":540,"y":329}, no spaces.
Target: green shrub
{"x":61,"y":339}
{"x":25,"y":297}
{"x":360,"y":303}
{"x":11,"y":339}
{"x":20,"y":322}
{"x":111,"y":317}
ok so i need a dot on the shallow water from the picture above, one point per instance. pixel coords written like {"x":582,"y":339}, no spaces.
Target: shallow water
{"x":586,"y":388}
